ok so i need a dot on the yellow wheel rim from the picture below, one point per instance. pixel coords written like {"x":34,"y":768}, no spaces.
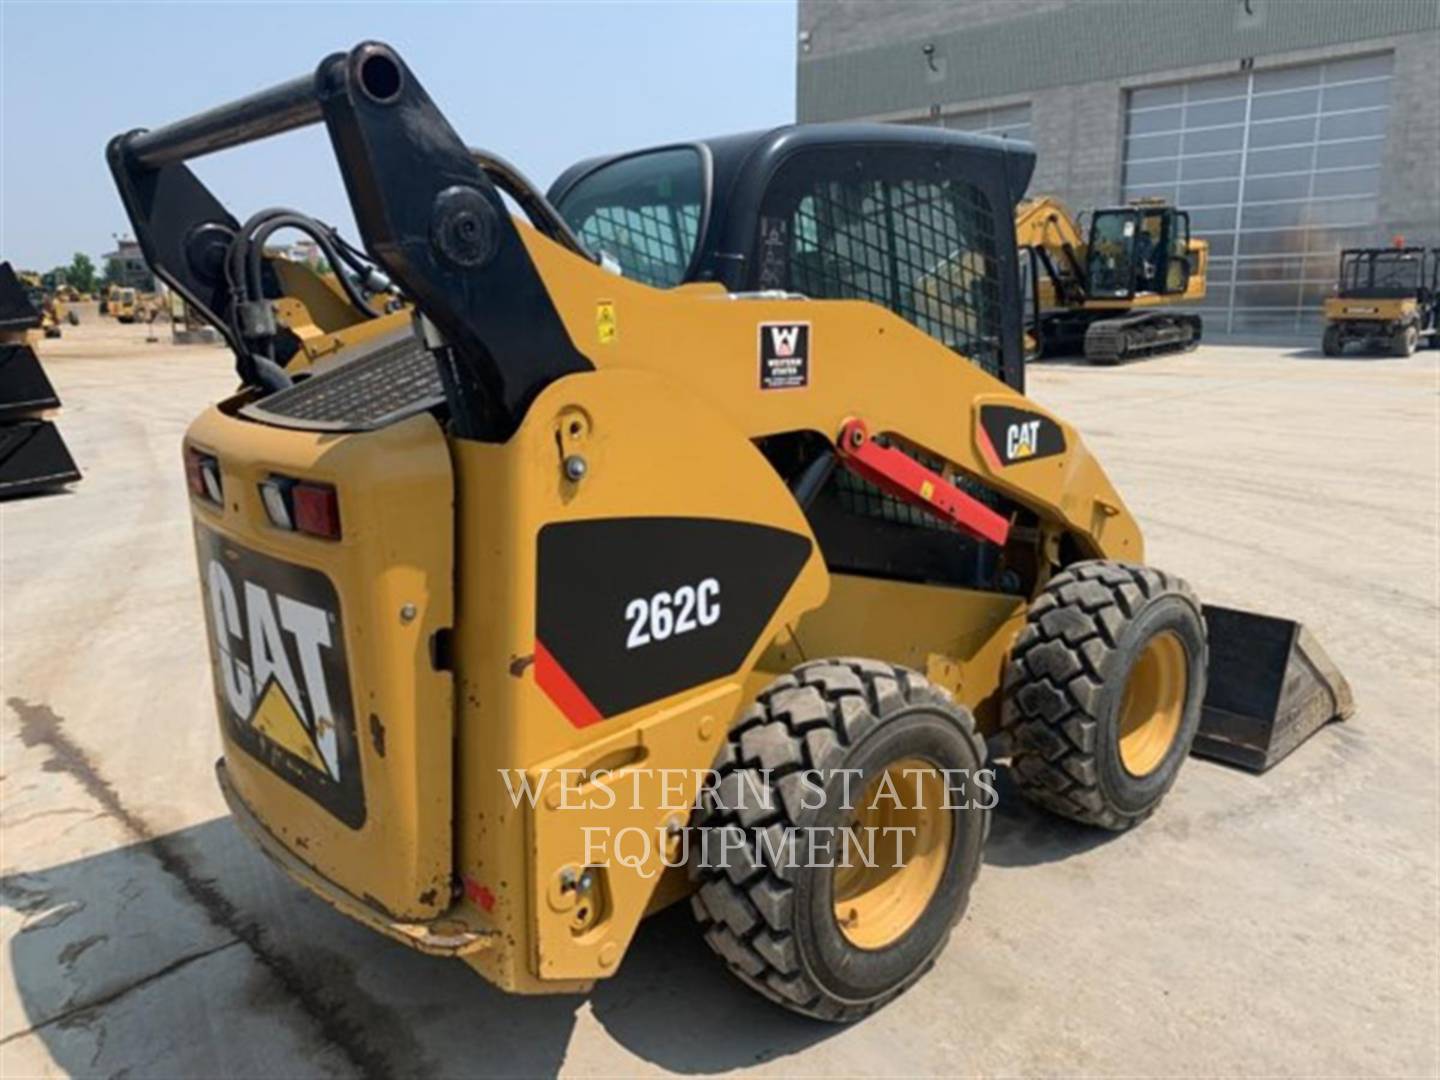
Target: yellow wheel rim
{"x":1153,"y":703}
{"x":891,"y":875}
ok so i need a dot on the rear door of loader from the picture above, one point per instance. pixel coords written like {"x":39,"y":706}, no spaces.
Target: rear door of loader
{"x":330,"y":672}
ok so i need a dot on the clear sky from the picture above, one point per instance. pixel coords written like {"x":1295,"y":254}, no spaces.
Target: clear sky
{"x":541,"y":83}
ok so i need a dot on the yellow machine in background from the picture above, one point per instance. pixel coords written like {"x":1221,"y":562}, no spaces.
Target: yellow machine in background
{"x":1104,"y":292}
{"x":565,"y":593}
{"x":52,"y":311}
{"x":1387,"y":298}
{"x":123,"y":303}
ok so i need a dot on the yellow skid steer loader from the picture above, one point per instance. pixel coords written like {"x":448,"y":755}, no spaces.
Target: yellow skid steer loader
{"x":688,"y":533}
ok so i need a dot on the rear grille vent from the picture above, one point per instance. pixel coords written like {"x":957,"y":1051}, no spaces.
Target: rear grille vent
{"x":377,"y":384}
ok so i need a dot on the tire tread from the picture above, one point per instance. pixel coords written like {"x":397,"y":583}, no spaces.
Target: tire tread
{"x":1054,"y":677}
{"x":819,"y":711}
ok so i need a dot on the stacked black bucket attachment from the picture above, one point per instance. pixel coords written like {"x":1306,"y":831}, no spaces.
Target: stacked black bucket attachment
{"x":33,"y":456}
{"x":1271,"y":686}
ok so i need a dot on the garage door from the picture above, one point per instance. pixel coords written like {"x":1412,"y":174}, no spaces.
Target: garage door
{"x":1007,"y":121}
{"x":1279,"y":170}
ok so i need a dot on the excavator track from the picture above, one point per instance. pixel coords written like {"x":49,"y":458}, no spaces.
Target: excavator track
{"x":1150,"y":333}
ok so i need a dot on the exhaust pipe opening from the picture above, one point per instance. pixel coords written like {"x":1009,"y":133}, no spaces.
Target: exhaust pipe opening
{"x":380,"y":76}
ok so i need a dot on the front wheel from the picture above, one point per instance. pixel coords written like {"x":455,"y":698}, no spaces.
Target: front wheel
{"x":1103,"y":692}
{"x":840,"y":843}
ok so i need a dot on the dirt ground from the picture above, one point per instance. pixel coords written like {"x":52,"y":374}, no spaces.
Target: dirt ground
{"x":1280,"y":924}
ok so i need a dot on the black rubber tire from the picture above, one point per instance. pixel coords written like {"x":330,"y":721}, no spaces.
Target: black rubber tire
{"x":773,"y":924}
{"x":1065,"y":681}
{"x":1403,"y":341}
{"x":1330,"y":343}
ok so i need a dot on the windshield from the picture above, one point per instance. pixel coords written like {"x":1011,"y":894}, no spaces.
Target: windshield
{"x":126,"y":296}
{"x":643,"y":212}
{"x":1112,"y":238}
{"x":1382,"y":273}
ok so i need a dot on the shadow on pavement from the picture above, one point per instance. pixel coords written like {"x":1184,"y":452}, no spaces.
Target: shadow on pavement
{"x":1025,"y":835}
{"x":1316,"y":354}
{"x":117,"y":954}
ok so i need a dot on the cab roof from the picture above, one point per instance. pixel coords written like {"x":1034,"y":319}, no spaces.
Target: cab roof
{"x":738,"y":170}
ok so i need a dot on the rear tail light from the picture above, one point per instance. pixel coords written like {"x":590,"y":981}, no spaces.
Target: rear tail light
{"x":317,"y":510}
{"x":302,"y":506}
{"x":202,"y":472}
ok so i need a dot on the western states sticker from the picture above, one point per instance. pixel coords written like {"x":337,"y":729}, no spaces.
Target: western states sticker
{"x":784,"y":356}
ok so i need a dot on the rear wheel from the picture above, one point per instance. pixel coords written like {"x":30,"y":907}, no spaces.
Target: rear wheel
{"x":1331,"y":344}
{"x":872,"y":757}
{"x":1404,"y":340}
{"x":1103,"y":692}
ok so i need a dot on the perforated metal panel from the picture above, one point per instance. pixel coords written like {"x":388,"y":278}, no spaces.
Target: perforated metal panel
{"x":652,"y":244}
{"x":926,"y":251}
{"x":376,"y":385}
{"x":1279,"y":169}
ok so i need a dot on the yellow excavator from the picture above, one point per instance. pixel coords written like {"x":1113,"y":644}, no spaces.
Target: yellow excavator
{"x":1106,"y":293}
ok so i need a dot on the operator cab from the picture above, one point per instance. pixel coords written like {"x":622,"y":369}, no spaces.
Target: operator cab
{"x":1393,"y":273}
{"x":917,"y":220}
{"x":1142,"y":248}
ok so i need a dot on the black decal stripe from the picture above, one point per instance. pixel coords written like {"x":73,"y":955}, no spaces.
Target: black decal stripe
{"x":590,"y":571}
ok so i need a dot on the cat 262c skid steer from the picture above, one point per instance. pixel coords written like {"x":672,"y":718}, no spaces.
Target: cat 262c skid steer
{"x":698,"y":521}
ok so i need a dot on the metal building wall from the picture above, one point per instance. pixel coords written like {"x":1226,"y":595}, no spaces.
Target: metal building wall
{"x":1076,"y":63}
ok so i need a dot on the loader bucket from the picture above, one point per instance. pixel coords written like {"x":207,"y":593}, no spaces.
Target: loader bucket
{"x":1270,"y":687}
{"x":25,"y":389}
{"x":16,"y":311}
{"x":33,"y":458}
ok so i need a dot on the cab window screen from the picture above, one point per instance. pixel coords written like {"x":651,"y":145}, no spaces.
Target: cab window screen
{"x":644,"y":212}
{"x":925,"y":250}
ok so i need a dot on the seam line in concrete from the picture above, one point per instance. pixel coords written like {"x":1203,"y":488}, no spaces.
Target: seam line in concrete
{"x":115,"y":995}
{"x":41,"y":726}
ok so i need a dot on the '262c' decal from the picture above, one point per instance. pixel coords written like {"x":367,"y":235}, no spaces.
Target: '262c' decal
{"x":631,"y":610}
{"x":667,"y":614}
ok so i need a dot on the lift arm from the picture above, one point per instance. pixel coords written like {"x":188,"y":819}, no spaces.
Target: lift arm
{"x":428,"y":211}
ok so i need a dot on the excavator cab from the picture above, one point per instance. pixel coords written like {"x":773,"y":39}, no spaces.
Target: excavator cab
{"x":1139,"y":249}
